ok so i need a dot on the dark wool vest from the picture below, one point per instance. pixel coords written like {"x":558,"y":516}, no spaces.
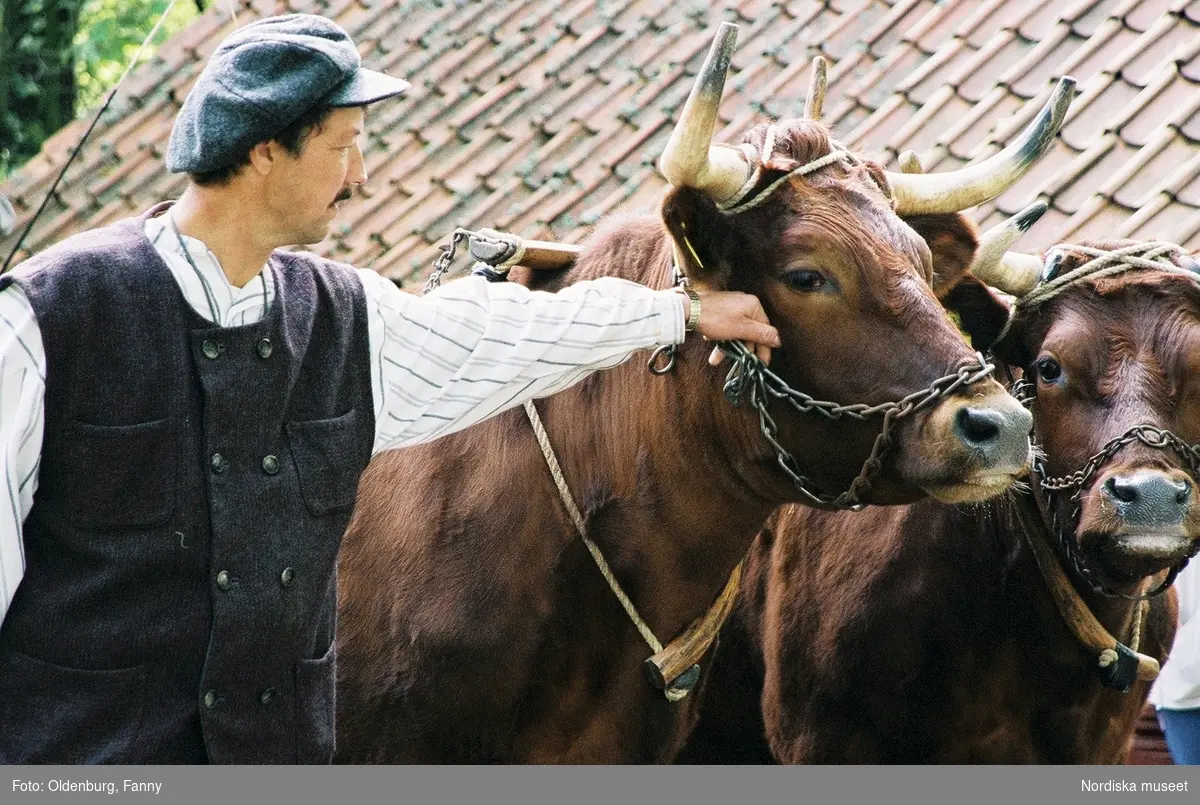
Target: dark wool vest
{"x":179,"y":598}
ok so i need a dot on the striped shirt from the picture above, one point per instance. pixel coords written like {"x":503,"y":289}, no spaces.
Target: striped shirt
{"x":439,"y":363}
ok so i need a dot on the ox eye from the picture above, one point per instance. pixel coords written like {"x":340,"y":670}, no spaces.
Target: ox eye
{"x":804,"y":279}
{"x":1048,"y":370}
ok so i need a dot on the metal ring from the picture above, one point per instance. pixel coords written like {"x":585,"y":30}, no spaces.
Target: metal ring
{"x":652,"y":364}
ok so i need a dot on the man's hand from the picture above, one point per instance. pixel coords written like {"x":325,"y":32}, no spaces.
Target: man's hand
{"x":734,"y":316}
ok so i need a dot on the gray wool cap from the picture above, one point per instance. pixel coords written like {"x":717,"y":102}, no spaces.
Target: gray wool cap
{"x":260,"y":80}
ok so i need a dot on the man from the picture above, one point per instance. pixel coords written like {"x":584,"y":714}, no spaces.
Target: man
{"x":194,"y":408}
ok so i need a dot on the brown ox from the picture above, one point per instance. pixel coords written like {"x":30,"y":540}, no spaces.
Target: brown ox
{"x":473,"y":624}
{"x":926,"y":633}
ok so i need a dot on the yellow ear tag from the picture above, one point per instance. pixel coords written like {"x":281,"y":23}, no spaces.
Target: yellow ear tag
{"x":695,"y":256}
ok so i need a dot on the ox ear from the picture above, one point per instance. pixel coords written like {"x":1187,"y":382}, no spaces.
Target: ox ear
{"x":695,"y":223}
{"x":981,"y":311}
{"x":952,"y":241}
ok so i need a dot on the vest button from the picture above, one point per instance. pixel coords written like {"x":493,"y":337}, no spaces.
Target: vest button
{"x":210,"y":348}
{"x":211,"y":699}
{"x":270,"y":465}
{"x":267,"y":696}
{"x":219,"y":463}
{"x":285,"y":578}
{"x":224,"y":581}
{"x":265,"y":349}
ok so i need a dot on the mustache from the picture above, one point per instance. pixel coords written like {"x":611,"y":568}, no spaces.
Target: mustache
{"x":345,"y":195}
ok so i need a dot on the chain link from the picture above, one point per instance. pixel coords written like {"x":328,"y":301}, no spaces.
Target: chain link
{"x":442,"y":264}
{"x":750,"y":375}
{"x":1080,"y":481}
{"x":1146,"y":256}
{"x":764,"y":386}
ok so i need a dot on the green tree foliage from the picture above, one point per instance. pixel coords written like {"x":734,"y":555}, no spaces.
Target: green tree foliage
{"x":37,"y":74}
{"x":110,"y":32}
{"x":59,"y":59}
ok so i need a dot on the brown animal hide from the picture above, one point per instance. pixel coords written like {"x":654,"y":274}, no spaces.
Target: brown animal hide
{"x":473,"y":624}
{"x":925,"y":633}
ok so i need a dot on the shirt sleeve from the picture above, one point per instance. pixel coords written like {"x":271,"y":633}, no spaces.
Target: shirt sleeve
{"x":22,"y":401}
{"x":474,"y":348}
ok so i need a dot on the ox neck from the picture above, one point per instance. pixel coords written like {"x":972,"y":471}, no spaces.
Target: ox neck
{"x":1106,"y":627}
{"x":673,"y":481}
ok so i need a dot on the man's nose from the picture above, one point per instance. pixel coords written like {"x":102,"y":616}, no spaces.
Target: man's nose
{"x":358,"y":168}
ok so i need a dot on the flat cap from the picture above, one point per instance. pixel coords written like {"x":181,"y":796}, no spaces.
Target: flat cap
{"x":260,"y":80}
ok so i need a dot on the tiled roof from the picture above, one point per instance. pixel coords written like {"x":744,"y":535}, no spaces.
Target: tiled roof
{"x":538,"y":117}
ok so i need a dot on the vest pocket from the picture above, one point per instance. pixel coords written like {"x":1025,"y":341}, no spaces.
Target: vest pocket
{"x":324,"y":452}
{"x":121,"y":475}
{"x":315,"y":700}
{"x":53,"y":714}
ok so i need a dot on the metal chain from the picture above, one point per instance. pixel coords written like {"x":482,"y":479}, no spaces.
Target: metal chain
{"x":1148,"y":435}
{"x":442,"y":264}
{"x":1080,"y":481}
{"x":1152,"y":256}
{"x":752,"y":375}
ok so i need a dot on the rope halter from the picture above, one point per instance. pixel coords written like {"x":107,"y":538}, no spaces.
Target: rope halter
{"x":1155,"y":256}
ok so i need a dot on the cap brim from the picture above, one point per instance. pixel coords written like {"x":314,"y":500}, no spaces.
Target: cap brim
{"x":367,"y":86}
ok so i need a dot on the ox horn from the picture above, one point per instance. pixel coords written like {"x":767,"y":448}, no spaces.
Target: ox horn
{"x":1011,"y":272}
{"x":817,"y":83}
{"x":690,"y":158}
{"x":975,"y":184}
{"x":910,"y":162}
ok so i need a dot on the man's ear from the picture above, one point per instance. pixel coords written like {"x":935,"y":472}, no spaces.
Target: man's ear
{"x":981,"y":311}
{"x":695,"y":224}
{"x":952,"y":239}
{"x":263,"y":156}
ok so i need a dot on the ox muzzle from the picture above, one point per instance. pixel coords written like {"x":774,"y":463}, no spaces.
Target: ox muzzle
{"x":970,"y":449}
{"x":1137,"y":521}
{"x":1121,"y":522}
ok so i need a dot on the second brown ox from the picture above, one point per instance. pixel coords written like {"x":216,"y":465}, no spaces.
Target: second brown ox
{"x":474,"y":626}
{"x":939,"y":634}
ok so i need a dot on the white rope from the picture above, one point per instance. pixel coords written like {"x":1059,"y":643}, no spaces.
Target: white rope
{"x":1153,"y":255}
{"x":564,"y":492}
{"x":1138,"y":618}
{"x":1109,"y":656}
{"x":836,"y":155}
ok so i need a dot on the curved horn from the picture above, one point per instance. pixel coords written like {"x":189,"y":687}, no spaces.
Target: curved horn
{"x":975,"y":184}
{"x":1011,"y":272}
{"x":817,"y":83}
{"x":8,"y":217}
{"x":910,"y":162}
{"x":690,"y":159}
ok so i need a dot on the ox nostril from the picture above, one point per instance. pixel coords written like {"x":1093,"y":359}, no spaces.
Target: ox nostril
{"x":1121,"y":489}
{"x":978,"y":426}
{"x":1149,"y":498}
